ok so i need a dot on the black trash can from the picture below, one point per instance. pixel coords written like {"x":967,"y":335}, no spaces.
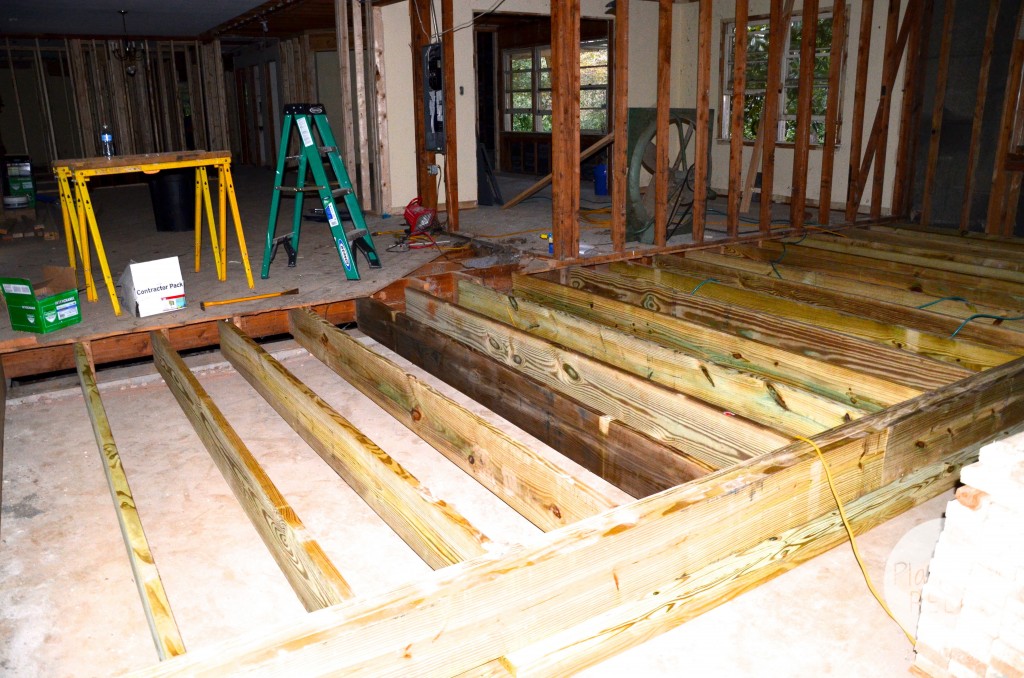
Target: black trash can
{"x":174,"y":199}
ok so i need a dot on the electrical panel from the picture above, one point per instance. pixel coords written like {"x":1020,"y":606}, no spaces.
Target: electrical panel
{"x":433,"y":97}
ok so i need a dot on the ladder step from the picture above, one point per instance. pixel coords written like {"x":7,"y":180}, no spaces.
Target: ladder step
{"x":357,"y":233}
{"x":323,"y":150}
{"x":300,"y":189}
{"x":338,"y":192}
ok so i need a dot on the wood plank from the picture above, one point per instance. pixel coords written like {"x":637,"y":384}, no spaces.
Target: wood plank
{"x":701,"y":169}
{"x":420,"y":13}
{"x":565,"y":131}
{"x":466,"y":615}
{"x":681,"y":599}
{"x":979,"y":112}
{"x":845,"y":316}
{"x":835,"y":74}
{"x":155,"y":605}
{"x":624,"y":457}
{"x":982,"y":267}
{"x":620,"y":122}
{"x":993,"y":244}
{"x":910,"y":109}
{"x":344,"y":66}
{"x":697,"y":430}
{"x":874,"y":285}
{"x":542,"y":492}
{"x":995,"y":223}
{"x":431,"y":527}
{"x":779,"y":405}
{"x":804,"y":356}
{"x":780,"y":17}
{"x":920,"y":268}
{"x":890,"y":65}
{"x":802,"y":143}
{"x":546,"y":180}
{"x":312,"y":576}
{"x":964,"y":246}
{"x":359,"y":110}
{"x":451,"y":148}
{"x":736,"y":113}
{"x":664,"y":88}
{"x":860,"y":90}
{"x":938,"y":108}
{"x":383,"y":138}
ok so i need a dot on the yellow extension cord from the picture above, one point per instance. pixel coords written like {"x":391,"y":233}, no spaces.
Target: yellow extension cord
{"x":853,"y":541}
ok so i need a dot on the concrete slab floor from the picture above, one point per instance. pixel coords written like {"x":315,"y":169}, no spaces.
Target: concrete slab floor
{"x":69,"y":607}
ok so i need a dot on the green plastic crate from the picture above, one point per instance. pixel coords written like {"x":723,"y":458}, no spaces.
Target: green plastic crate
{"x":44,"y":307}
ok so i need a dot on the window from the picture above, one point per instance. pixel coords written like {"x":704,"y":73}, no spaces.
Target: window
{"x":528,"y":96}
{"x":758,"y":39}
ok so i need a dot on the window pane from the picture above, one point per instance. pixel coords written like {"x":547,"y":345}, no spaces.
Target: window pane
{"x":522,"y":122}
{"x":594,"y":57}
{"x":522,"y":63}
{"x":544,"y":55}
{"x":595,"y":75}
{"x":544,"y":101}
{"x":752,"y":107}
{"x":593,"y":98}
{"x":821,"y":65}
{"x":545,"y":79}
{"x":522,"y":81}
{"x":522,"y":100}
{"x":593,"y":120}
{"x":819,"y":100}
{"x":544,"y":122}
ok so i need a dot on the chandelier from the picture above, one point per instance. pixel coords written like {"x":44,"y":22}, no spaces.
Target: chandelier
{"x":128,"y":51}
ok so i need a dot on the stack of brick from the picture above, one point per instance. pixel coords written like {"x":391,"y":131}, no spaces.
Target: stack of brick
{"x":972,"y":608}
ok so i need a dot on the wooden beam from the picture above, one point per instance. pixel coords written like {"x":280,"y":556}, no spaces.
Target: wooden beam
{"x":344,"y":66}
{"x":996,"y":223}
{"x":940,"y":246}
{"x":542,"y":492}
{"x":776,"y":349}
{"x":979,"y":111}
{"x":790,"y":410}
{"x":802,"y":144}
{"x":312,"y":576}
{"x":780,"y":19}
{"x":700,"y":170}
{"x":871,"y":327}
{"x":860,"y":90}
{"x":938,"y":108}
{"x":835,"y":75}
{"x":162,"y":626}
{"x":910,"y":110}
{"x":890,"y":65}
{"x":441,"y":624}
{"x":620,"y":123}
{"x":451,"y":147}
{"x":664,"y":88}
{"x":624,"y":457}
{"x":432,"y":528}
{"x":736,"y":112}
{"x":419,"y":20}
{"x":541,"y":183}
{"x":383,"y":138}
{"x":695,"y":429}
{"x":565,"y":127}
{"x":359,"y":109}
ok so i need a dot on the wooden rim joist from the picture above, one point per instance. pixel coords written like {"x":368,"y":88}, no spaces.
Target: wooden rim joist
{"x":684,"y":380}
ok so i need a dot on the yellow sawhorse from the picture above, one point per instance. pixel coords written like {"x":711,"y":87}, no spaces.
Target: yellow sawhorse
{"x":80,"y":220}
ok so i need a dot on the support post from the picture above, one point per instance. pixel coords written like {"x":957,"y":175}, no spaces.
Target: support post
{"x":700,"y":171}
{"x":736,"y":110}
{"x":661,"y":122}
{"x":620,"y":121}
{"x":801,"y":149}
{"x":565,"y":123}
{"x":451,"y":146}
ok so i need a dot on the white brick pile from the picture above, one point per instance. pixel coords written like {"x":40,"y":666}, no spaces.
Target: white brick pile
{"x":972,"y":609}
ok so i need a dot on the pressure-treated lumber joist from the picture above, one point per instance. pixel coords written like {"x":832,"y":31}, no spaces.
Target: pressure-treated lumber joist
{"x":432,"y":528}
{"x":466,"y":615}
{"x":312,"y":576}
{"x":785,"y":408}
{"x":956,"y":351}
{"x":823,"y":362}
{"x":162,"y":626}
{"x":996,"y":269}
{"x":628,"y":459}
{"x":932,"y":234}
{"x":938,"y":247}
{"x":701,"y":432}
{"x":955,"y":308}
{"x":542,"y":492}
{"x":866,"y":265}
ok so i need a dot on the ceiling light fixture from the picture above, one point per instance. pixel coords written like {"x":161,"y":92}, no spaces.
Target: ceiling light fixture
{"x":128,"y":51}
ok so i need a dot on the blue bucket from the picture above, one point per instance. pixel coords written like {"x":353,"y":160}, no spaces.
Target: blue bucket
{"x":601,"y":179}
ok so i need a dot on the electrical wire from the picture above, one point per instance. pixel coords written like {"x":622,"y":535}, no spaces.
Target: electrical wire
{"x":437,"y":34}
{"x":853,"y":540}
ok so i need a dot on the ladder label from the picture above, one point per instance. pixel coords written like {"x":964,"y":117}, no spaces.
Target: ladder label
{"x":343,"y":251}
{"x":307,"y":138}
{"x":332,"y":218}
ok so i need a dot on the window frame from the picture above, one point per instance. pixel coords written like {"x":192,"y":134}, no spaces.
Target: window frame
{"x":791,"y":64}
{"x":541,"y":95}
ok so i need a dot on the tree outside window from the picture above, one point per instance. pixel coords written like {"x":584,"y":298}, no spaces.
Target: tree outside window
{"x":528,"y":98}
{"x":759,"y":37}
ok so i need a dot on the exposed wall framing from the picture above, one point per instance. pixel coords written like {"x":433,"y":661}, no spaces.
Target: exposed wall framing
{"x":682,"y":379}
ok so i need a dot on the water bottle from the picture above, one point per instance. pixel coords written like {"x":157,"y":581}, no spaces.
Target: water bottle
{"x":106,"y":141}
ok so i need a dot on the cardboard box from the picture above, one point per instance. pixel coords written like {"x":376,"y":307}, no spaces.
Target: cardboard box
{"x":152,"y":287}
{"x":44,"y":307}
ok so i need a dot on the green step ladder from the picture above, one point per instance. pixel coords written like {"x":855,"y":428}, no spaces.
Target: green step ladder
{"x":305,"y":117}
